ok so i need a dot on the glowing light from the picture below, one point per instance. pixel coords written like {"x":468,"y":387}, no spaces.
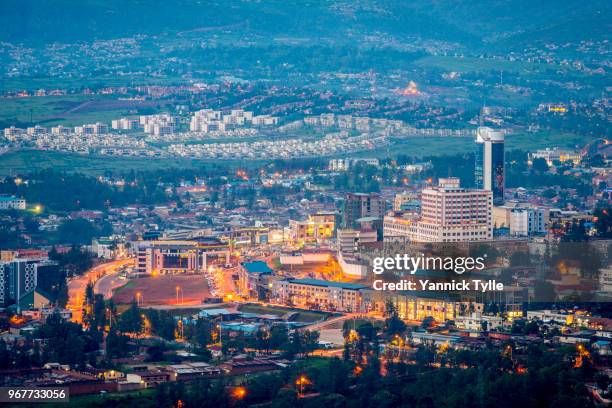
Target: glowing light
{"x":240,"y":392}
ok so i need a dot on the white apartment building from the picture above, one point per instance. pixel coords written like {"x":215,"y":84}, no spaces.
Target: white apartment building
{"x":476,"y":321}
{"x":345,"y":164}
{"x":12,"y":203}
{"x":208,"y":120}
{"x":92,"y":129}
{"x":37,"y":130}
{"x":60,"y":130}
{"x":125,"y":124}
{"x":13,"y":131}
{"x":522,"y":219}
{"x":450,"y":213}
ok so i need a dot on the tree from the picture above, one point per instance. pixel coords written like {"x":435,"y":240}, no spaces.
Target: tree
{"x":544,"y":291}
{"x":116,"y":344}
{"x":393,"y":324}
{"x":539,"y":165}
{"x":520,"y":258}
{"x":131,"y":321}
{"x":78,"y":231}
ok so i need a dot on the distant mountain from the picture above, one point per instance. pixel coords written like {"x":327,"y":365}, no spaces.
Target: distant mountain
{"x":473,"y":23}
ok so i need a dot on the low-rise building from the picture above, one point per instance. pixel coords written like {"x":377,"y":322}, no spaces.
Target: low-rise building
{"x":319,"y":294}
{"x":11,"y":202}
{"x":253,"y":279}
{"x":478,"y":321}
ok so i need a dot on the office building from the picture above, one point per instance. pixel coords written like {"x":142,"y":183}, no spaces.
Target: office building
{"x":361,"y":205}
{"x":178,"y":256}
{"x":450,"y":213}
{"x":490,"y":166}
{"x":18,"y":278}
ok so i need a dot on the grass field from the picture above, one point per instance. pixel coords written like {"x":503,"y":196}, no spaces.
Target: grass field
{"x":68,"y":110}
{"x":438,"y":146}
{"x":471,"y":64}
{"x":29,"y":160}
{"x":161,"y":290}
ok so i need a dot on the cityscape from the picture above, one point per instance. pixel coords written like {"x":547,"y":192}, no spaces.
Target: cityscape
{"x":281,"y":204}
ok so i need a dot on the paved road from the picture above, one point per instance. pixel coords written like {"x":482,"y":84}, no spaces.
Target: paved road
{"x":76,"y":286}
{"x":109,"y":282}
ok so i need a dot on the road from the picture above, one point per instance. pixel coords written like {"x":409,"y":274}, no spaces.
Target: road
{"x":109,"y":282}
{"x":77,"y":285}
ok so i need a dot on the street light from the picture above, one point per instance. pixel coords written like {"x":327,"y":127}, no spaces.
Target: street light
{"x":239,"y":392}
{"x":139,"y":298}
{"x":301,"y":382}
{"x":178,"y":288}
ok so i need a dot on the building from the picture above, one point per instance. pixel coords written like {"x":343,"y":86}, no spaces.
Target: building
{"x":555,"y":155}
{"x":345,"y":164}
{"x":349,"y":240}
{"x":125,"y":124}
{"x":399,"y":226}
{"x":92,"y":129}
{"x":109,"y":247}
{"x":450,"y":213}
{"x":18,"y":278}
{"x":521,"y":219}
{"x":253,"y":279}
{"x":478,"y":321}
{"x":490,"y":165}
{"x":406,"y":201}
{"x":318,"y":294}
{"x":247,"y":236}
{"x":12,"y":132}
{"x":37,"y":131}
{"x":8,"y":202}
{"x":361,"y":205}
{"x":61,"y":130}
{"x":415,"y":305}
{"x":317,"y":228}
{"x":177,"y":256}
{"x":190,"y":371}
{"x":605,"y":281}
{"x":546,"y":316}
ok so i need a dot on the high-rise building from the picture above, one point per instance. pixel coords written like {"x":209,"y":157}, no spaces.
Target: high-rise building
{"x":449,"y":213}
{"x":361,"y":205}
{"x":17,"y":279}
{"x":489,"y":166}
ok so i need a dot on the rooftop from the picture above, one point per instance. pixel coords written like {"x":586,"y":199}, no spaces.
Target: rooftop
{"x":319,"y":282}
{"x":256,"y":267}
